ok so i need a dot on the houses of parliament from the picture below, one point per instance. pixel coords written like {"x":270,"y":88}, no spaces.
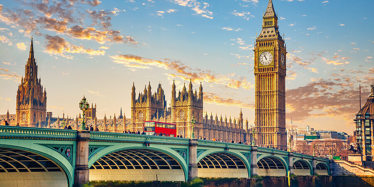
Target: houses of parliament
{"x":186,"y":105}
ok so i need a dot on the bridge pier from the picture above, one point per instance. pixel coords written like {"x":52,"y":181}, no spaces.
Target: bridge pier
{"x":253,"y":162}
{"x":314,"y":164}
{"x":192,"y":164}
{"x":290,"y":163}
{"x":81,"y":173}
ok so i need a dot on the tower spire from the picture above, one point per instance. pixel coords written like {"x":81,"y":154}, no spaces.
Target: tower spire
{"x":31,"y":54}
{"x":270,"y":12}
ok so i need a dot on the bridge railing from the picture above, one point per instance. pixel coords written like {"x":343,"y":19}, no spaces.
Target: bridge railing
{"x":15,"y":131}
{"x":139,"y":138}
{"x":210,"y":143}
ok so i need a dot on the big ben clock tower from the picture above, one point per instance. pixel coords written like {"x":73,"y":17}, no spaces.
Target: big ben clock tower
{"x":270,"y":72}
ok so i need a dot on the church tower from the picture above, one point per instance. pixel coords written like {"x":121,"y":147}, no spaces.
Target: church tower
{"x":270,"y":73}
{"x":31,"y":98}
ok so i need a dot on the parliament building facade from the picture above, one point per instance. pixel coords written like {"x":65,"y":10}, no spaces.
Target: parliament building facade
{"x":186,"y":111}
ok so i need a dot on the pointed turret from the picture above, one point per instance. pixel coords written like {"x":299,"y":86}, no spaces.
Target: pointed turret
{"x":31,"y":53}
{"x":7,"y":116}
{"x":190,"y":87}
{"x":124,"y":122}
{"x":114,"y":123}
{"x":270,"y":12}
{"x":184,"y":90}
{"x":201,"y":91}
{"x":173,"y":94}
{"x":105,"y":125}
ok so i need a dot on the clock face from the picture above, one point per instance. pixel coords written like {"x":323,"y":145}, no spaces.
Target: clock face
{"x":266,"y":58}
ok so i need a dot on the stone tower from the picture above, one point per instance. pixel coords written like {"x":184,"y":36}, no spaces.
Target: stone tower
{"x":364,"y":128}
{"x":270,"y":73}
{"x":185,"y":108}
{"x":146,"y":107}
{"x":31,"y":101}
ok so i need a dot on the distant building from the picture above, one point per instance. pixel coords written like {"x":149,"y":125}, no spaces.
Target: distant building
{"x":364,"y":128}
{"x":91,"y":112}
{"x":8,"y":119}
{"x":186,"y":111}
{"x":31,"y":101}
{"x":319,"y":143}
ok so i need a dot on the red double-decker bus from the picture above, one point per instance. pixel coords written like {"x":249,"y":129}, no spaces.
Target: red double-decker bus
{"x":160,"y":128}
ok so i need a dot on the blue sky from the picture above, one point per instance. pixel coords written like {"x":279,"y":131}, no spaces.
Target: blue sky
{"x":99,"y":48}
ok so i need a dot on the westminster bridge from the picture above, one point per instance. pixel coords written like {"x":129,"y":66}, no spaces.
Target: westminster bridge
{"x":55,"y":157}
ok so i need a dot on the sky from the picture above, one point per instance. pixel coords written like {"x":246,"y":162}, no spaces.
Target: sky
{"x":99,"y":48}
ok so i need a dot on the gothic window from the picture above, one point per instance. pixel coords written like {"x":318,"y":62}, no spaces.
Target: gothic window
{"x":23,"y":116}
{"x":182,"y":115}
{"x":140,"y":116}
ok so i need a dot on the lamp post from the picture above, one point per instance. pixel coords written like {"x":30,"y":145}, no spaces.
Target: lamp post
{"x":193,"y":121}
{"x":253,"y":137}
{"x":83,"y":105}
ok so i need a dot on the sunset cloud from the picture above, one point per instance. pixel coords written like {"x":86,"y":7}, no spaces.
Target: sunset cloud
{"x":7,"y":75}
{"x":212,"y":98}
{"x":5,"y":40}
{"x":183,"y":71}
{"x":337,"y":96}
{"x":21,"y":46}
{"x":59,"y":46}
{"x":63,"y":18}
{"x":336,"y":60}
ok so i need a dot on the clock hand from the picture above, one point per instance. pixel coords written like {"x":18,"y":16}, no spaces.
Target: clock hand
{"x":266,"y":58}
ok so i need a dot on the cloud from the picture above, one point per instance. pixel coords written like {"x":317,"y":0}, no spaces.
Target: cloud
{"x":253,"y":1}
{"x":333,"y":97}
{"x":368,"y":59}
{"x":311,"y":28}
{"x":336,"y":60}
{"x":161,"y":12}
{"x":94,"y":92}
{"x":21,"y":46}
{"x":6,"y":75}
{"x":324,"y":2}
{"x":200,"y":8}
{"x":291,"y":24}
{"x":182,"y":71}
{"x":66,"y":18}
{"x":215,"y":99}
{"x":5,"y":40}
{"x":291,"y":75}
{"x":342,"y":24}
{"x":242,"y":44}
{"x":244,"y":15}
{"x":231,"y":29}
{"x":59,"y":46}
{"x":303,"y":63}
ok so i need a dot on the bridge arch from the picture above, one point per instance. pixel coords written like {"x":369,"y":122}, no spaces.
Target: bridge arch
{"x":302,"y":168}
{"x":222,"y":164}
{"x":33,"y":165}
{"x":269,"y":165}
{"x":322,"y":169}
{"x":137,"y":163}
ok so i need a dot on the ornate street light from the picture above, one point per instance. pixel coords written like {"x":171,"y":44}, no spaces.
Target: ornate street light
{"x":193,"y":121}
{"x":83,"y":105}
{"x":253,"y":137}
